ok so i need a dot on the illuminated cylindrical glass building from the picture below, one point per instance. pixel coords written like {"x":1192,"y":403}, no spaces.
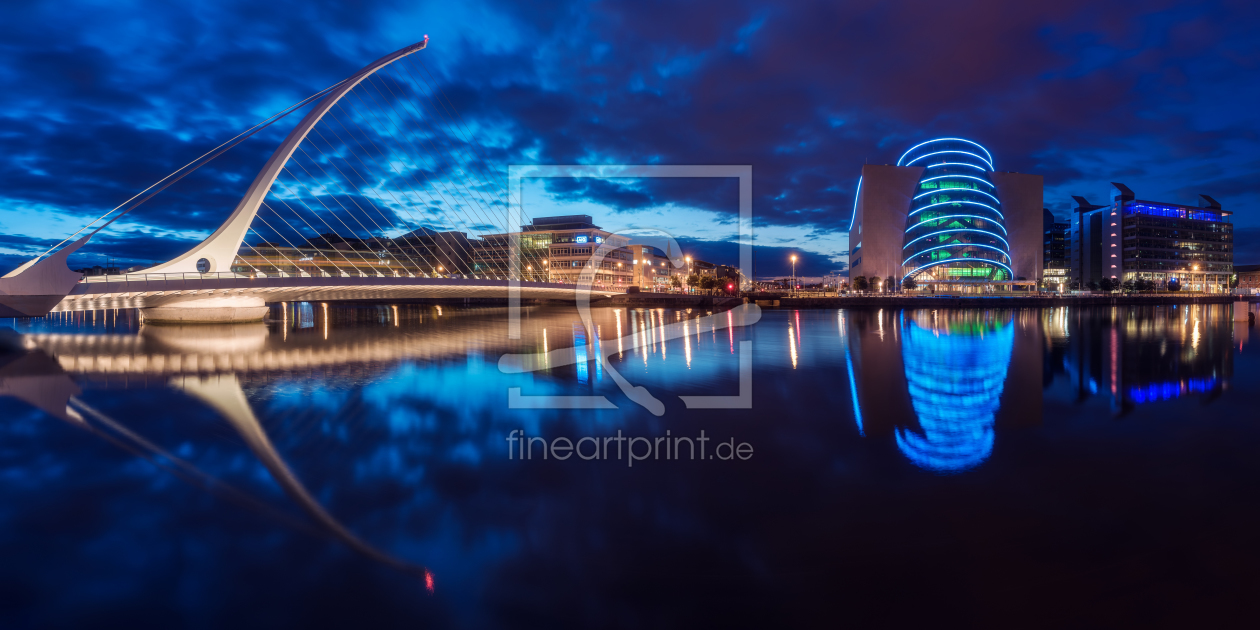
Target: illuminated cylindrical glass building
{"x":955,"y":231}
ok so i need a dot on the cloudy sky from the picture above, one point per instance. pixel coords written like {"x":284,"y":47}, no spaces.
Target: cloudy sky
{"x":100,"y":99}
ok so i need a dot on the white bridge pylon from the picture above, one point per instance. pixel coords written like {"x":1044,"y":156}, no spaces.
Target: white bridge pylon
{"x":221,"y":247}
{"x":376,"y":203}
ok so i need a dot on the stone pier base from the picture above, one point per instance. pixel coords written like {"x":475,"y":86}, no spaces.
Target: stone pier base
{"x":224,"y":310}
{"x":1240,"y":311}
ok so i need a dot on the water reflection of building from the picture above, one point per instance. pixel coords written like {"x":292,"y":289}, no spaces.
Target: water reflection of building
{"x":940,"y":381}
{"x":1141,"y":355}
{"x":955,"y":371}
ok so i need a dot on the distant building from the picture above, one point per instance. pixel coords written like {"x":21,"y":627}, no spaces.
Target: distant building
{"x":1054,"y":259}
{"x":651,"y":269}
{"x":97,"y":270}
{"x":1132,"y":239}
{"x":422,"y":252}
{"x":559,"y":249}
{"x":1248,"y":277}
{"x":946,"y":218}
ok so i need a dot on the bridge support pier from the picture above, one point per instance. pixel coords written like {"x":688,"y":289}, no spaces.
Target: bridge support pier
{"x":1241,"y":308}
{"x":216,"y":310}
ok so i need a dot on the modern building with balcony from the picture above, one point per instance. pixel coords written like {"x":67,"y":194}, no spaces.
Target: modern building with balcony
{"x":1133,"y":239}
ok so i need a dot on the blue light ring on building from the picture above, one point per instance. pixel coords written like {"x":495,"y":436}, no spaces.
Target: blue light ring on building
{"x":959,"y":201}
{"x":956,"y":216}
{"x":953,"y":151}
{"x":976,"y":144}
{"x":944,"y":164}
{"x":953,"y":190}
{"x":1008,"y":245}
{"x":979,"y":179}
{"x":961,"y":258}
{"x":957,"y":260}
{"x":924,"y":251}
{"x":857,"y":195}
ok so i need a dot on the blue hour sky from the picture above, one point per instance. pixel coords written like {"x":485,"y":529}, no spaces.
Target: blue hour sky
{"x":100,"y":99}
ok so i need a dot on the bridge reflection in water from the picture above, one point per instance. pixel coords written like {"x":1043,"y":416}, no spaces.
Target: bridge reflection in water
{"x":311,"y":347}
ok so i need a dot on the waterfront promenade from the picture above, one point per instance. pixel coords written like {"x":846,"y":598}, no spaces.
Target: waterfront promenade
{"x":989,"y":301}
{"x":782,"y":300}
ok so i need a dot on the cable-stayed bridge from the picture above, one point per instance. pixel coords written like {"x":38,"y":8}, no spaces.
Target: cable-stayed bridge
{"x":379,"y":192}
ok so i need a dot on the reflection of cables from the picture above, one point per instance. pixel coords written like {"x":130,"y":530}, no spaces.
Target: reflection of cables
{"x":270,"y":460}
{"x":140,"y":447}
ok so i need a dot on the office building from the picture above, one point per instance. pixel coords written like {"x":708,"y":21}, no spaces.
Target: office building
{"x":1248,"y":277}
{"x":558,"y":249}
{"x":943,"y":216}
{"x":1132,"y":239}
{"x":1057,"y":246}
{"x":651,"y":269}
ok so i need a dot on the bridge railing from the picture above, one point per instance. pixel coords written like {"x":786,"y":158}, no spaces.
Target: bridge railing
{"x":159,"y":277}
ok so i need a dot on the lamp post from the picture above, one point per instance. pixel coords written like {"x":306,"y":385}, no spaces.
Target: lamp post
{"x":793,"y":274}
{"x":1193,"y":278}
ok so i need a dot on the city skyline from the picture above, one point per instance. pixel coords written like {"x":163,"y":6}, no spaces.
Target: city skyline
{"x":90,"y":119}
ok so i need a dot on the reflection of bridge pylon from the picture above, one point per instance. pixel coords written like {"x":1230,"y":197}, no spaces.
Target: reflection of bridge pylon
{"x":37,"y":379}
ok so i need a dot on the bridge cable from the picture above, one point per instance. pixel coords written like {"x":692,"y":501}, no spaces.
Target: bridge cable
{"x":217,"y":151}
{"x":345,"y":258}
{"x":334,"y":215}
{"x":397,"y":201}
{"x":334,"y":196}
{"x":387,"y":157}
{"x":479,"y":204}
{"x":486,"y":204}
{"x":277,"y":250}
{"x":470,"y":147}
{"x":433,"y":187}
{"x":436,"y":91}
{"x":466,"y":219}
{"x":314,"y":231}
{"x":361,"y":194}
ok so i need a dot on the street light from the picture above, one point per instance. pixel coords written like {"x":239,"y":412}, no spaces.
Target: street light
{"x":793,"y":274}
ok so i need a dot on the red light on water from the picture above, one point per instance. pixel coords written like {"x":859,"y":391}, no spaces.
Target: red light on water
{"x":428,"y":581}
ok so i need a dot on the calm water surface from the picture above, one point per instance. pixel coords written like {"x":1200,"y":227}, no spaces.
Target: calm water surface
{"x":355,"y":467}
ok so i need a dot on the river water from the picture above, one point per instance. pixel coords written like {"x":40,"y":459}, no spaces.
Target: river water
{"x":416,"y":466}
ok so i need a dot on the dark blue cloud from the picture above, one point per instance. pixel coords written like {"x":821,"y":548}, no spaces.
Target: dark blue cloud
{"x":99,"y":101}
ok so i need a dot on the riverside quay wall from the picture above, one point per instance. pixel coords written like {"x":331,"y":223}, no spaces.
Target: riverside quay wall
{"x":1005,"y":302}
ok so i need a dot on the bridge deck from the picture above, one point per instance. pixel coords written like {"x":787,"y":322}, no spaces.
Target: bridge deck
{"x":126,"y":292}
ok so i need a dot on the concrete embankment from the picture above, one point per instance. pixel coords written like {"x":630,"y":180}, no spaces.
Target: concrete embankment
{"x":669,"y":300}
{"x":1000,"y":302}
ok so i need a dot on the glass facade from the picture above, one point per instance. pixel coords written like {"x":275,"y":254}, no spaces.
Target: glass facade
{"x":955,"y":231}
{"x":1163,"y":241}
